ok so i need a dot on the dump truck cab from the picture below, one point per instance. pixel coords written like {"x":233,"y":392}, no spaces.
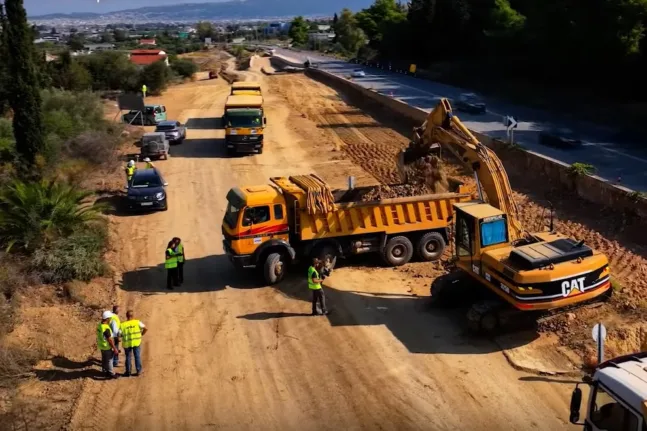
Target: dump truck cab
{"x":518,"y":273}
{"x":255,"y":221}
{"x":244,"y":121}
{"x":246,"y":88}
{"x":617,"y":396}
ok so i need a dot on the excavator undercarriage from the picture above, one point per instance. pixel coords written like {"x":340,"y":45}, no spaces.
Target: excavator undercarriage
{"x":505,"y":272}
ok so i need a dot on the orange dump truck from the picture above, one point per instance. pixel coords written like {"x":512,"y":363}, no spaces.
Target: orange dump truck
{"x":272,"y":225}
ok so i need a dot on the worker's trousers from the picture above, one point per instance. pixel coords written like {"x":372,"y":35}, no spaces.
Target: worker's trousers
{"x":180,"y":272}
{"x":318,"y":297}
{"x":115,"y":358}
{"x":106,"y":362}
{"x":136,"y":352}
{"x":171,"y":278}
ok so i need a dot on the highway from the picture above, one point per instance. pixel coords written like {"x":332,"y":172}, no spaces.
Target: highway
{"x":616,"y":159}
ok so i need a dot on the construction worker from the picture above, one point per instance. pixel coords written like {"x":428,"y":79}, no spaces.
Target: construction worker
{"x":179,"y":249}
{"x":132,"y":331}
{"x":314,"y":284}
{"x":170,"y":264}
{"x":130,"y":171}
{"x":106,"y":344}
{"x":115,"y":325}
{"x":149,"y":164}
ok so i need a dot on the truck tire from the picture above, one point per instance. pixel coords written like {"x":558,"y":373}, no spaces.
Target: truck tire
{"x":430,"y":247}
{"x":398,"y":251}
{"x":274,"y":268}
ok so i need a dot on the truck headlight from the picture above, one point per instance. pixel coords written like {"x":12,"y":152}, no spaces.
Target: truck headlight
{"x":159,"y":196}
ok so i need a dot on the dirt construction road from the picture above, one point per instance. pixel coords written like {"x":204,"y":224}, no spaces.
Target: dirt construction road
{"x":224,"y":353}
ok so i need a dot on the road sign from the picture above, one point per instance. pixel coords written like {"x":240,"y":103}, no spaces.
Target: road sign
{"x":207,"y":41}
{"x":599,"y":334}
{"x":510,"y":122}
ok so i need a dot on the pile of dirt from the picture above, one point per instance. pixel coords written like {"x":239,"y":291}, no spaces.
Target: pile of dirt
{"x":428,"y":171}
{"x":395,"y":191}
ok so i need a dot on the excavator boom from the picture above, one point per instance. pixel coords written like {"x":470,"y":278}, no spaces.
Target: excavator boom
{"x":444,"y":128}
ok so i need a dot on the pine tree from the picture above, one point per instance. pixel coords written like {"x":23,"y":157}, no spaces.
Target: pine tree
{"x":24,"y":93}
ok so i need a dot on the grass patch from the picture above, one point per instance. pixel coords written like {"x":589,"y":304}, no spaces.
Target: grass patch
{"x":578,"y":169}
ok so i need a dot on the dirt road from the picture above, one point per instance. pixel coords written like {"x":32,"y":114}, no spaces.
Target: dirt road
{"x":225,"y":353}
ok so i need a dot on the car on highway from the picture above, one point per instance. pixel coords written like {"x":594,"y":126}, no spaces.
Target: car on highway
{"x":146,"y":191}
{"x":358,"y":73}
{"x":470,"y":103}
{"x":174,"y":130}
{"x":559,"y":137}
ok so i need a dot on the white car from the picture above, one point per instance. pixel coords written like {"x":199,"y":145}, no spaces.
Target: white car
{"x":358,"y":73}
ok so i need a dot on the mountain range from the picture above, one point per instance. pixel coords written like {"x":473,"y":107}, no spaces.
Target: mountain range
{"x":232,"y":9}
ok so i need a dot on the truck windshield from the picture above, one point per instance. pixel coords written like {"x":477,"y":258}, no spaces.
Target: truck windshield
{"x":247,"y":119}
{"x":231,"y":215}
{"x":608,"y":414}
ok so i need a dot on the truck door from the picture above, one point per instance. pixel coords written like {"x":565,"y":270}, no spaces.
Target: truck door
{"x":262,"y":223}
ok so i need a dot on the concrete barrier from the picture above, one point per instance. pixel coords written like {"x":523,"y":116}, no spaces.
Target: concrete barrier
{"x":516,"y":161}
{"x":280,"y":62}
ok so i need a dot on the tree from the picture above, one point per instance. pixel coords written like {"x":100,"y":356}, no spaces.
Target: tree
{"x":381,"y":14}
{"x":205,"y":29}
{"x":184,"y":68}
{"x":298,"y":31}
{"x":119,"y":35}
{"x":334,"y":24}
{"x":24,"y":91}
{"x":68,"y":74}
{"x":155,"y":76}
{"x":76,"y":42}
{"x":348,"y":34}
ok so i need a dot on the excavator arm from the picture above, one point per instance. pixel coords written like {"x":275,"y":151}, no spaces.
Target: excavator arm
{"x":444,"y":128}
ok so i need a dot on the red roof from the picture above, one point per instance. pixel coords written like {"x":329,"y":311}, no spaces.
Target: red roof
{"x":147,"y":42}
{"x":145,"y":51}
{"x":146,"y":59}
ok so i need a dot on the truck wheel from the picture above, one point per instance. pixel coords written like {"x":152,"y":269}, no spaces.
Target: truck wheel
{"x":398,"y":251}
{"x":430,"y":247}
{"x":328,"y":255}
{"x":274,"y":268}
{"x":260,"y":150}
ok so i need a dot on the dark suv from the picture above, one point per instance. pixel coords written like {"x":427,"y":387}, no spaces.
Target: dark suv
{"x":174,"y":130}
{"x":146,"y":191}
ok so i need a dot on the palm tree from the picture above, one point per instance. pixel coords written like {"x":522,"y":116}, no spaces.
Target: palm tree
{"x":36,"y":213}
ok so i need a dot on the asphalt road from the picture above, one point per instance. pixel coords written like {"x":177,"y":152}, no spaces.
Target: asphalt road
{"x":617,"y":159}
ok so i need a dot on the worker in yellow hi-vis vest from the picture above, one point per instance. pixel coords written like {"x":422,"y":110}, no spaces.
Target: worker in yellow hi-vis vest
{"x":179,"y":249}
{"x":314,"y":284}
{"x":115,"y":324}
{"x":132,"y":331}
{"x":170,"y":263}
{"x":106,"y":344}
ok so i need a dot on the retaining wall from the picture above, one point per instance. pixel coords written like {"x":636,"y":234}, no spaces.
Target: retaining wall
{"x":516,"y":161}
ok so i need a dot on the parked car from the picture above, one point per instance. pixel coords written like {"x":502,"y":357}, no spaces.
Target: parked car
{"x":154,"y":145}
{"x":151,"y":116}
{"x":470,"y":103}
{"x":146,"y":191}
{"x":174,"y":131}
{"x":358,"y":73}
{"x":559,"y":137}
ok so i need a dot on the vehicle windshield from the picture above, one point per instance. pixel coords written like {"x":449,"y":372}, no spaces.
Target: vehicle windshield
{"x":244,"y":120}
{"x":144,"y":181}
{"x":163,"y":127}
{"x":608,"y":414}
{"x":469,"y":98}
{"x":231,"y":215}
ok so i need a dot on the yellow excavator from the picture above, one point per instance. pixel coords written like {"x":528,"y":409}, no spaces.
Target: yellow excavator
{"x":532,"y":271}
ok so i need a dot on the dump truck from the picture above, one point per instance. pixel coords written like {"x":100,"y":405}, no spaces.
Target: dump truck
{"x":246,"y":88}
{"x":244,"y":122}
{"x":273,"y":225}
{"x":617,"y":395}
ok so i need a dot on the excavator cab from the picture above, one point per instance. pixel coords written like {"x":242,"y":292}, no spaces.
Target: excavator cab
{"x":479,"y":227}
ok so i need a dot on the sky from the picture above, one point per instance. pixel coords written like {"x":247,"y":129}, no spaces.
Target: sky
{"x":43,"y":7}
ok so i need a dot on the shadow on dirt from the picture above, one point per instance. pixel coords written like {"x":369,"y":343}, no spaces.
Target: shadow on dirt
{"x":71,"y":370}
{"x":201,"y":148}
{"x":205,"y":123}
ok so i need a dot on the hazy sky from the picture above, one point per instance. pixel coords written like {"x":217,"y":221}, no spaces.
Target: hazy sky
{"x":41,"y":7}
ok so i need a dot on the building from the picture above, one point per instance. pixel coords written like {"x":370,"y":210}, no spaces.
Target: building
{"x":99,"y":47}
{"x":144,"y":57}
{"x":149,"y":42}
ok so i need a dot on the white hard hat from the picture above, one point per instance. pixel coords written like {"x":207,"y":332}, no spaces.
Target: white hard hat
{"x":147,"y":159}
{"x":131,"y":163}
{"x":106,"y":315}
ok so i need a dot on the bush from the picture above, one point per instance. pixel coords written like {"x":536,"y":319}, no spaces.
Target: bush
{"x":184,"y":68}
{"x":156,"y":77}
{"x":78,"y":256}
{"x":96,"y":147}
{"x":36,"y":214}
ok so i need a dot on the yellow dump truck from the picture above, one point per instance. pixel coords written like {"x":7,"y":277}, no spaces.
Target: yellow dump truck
{"x":273,"y":225}
{"x":246,"y":88}
{"x":244,"y":121}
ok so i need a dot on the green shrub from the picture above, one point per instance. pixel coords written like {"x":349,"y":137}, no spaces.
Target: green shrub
{"x":184,"y":68}
{"x":579,"y":169}
{"x":36,"y":214}
{"x":78,"y":256}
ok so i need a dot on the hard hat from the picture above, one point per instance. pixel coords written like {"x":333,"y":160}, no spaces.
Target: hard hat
{"x":106,"y":315}
{"x":147,"y":159}
{"x":131,"y":163}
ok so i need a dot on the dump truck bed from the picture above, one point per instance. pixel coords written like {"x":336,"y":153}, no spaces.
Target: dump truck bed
{"x":244,"y":101}
{"x":391,"y":216}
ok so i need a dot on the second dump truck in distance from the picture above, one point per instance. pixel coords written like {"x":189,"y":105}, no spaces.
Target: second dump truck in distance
{"x":272,"y":225}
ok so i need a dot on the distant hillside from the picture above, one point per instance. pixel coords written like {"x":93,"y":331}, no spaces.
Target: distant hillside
{"x":242,"y":9}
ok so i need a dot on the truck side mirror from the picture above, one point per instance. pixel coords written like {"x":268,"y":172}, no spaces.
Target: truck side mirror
{"x":576,"y":402}
{"x":264,"y":121}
